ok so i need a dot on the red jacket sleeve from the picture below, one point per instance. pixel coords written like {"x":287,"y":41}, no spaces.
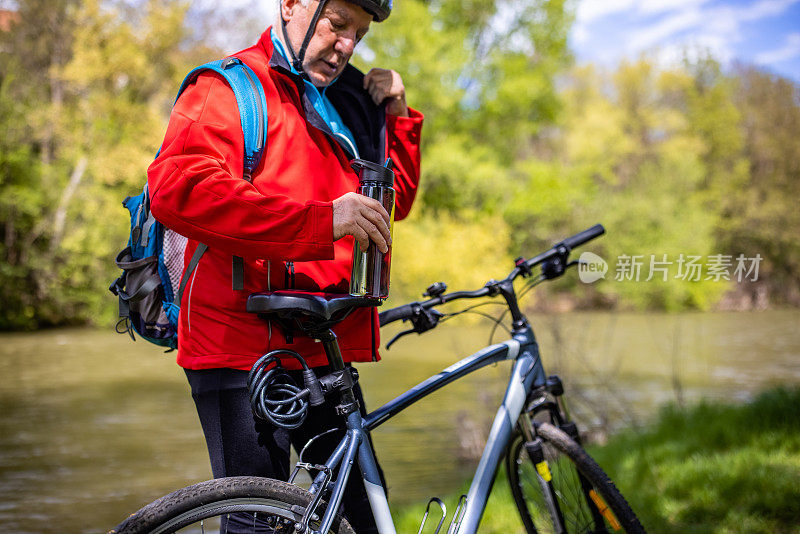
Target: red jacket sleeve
{"x":403,"y":145}
{"x":196,"y":186}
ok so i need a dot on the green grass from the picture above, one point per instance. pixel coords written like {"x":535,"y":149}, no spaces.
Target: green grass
{"x":709,"y":468}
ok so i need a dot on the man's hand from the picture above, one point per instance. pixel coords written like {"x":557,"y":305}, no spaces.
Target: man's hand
{"x":363,"y":218}
{"x":384,"y":84}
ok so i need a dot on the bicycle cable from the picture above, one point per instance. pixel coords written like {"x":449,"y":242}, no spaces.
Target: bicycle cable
{"x":471,"y":309}
{"x":274,"y":395}
{"x":525,"y":289}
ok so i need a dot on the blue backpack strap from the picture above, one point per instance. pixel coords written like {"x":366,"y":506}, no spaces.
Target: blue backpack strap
{"x":250,"y":99}
{"x":252,"y":103}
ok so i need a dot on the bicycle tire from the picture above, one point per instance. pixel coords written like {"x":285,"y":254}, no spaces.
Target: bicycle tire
{"x":279,"y":503}
{"x":574,"y":474}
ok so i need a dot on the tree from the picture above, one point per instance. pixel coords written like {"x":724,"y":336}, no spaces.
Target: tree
{"x":31,"y":98}
{"x":84,"y":103}
{"x":484,"y":73}
{"x":761,"y":215}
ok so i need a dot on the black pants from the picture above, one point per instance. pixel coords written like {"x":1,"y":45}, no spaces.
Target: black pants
{"x":240,"y":445}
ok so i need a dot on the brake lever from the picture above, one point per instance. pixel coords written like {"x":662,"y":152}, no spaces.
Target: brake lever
{"x":422,"y":319}
{"x":555,"y":266}
{"x":398,"y":336}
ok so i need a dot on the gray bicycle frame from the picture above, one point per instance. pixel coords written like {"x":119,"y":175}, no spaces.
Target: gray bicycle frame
{"x":527,"y":373}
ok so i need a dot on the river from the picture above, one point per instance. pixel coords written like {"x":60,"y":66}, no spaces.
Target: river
{"x":93,"y":426}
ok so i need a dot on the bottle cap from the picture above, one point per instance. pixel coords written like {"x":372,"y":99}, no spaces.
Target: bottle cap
{"x":373,"y":172}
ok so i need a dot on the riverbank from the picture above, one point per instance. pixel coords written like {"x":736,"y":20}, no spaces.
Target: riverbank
{"x":96,"y":425}
{"x":713,"y":467}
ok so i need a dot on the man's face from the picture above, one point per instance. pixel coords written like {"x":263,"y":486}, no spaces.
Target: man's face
{"x":339,"y":28}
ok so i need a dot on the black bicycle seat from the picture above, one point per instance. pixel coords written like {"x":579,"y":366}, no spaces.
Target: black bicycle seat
{"x":296,"y":304}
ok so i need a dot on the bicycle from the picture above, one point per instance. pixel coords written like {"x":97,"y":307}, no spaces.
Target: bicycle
{"x":556,"y":485}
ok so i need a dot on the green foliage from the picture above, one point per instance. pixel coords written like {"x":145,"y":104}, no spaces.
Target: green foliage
{"x":714,"y":468}
{"x":683,"y":160}
{"x":499,"y":517}
{"x":483,"y":72}
{"x":464,"y":253}
{"x":760,"y":215}
{"x":710,"y":468}
{"x":83,"y":105}
{"x":652,"y":154}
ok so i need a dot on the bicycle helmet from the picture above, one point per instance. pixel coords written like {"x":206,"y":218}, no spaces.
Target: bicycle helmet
{"x":379,"y":9}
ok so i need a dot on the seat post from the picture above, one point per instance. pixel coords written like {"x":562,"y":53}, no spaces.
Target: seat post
{"x":348,"y":403}
{"x":331,"y":346}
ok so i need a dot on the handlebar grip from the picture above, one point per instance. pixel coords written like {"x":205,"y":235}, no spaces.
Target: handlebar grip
{"x":587,"y":235}
{"x":395,"y":314}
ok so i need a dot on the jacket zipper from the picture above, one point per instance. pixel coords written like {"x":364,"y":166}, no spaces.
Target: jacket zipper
{"x":260,"y":138}
{"x":269,"y":288}
{"x":372,"y":330}
{"x":289,"y":279}
{"x":189,"y":299}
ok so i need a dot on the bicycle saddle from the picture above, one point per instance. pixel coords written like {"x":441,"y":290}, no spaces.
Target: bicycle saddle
{"x":297,"y":304}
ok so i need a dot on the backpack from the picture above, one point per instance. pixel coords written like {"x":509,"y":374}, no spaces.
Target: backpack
{"x":153,"y":278}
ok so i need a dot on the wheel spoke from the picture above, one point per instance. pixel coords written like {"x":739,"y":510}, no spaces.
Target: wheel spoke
{"x":236,"y":504}
{"x":569,"y":466}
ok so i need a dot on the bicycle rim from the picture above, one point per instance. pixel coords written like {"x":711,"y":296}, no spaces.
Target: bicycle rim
{"x":579,"y":506}
{"x":233,"y":505}
{"x":234,"y":515}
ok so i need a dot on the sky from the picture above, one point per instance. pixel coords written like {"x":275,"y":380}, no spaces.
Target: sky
{"x":763,"y":32}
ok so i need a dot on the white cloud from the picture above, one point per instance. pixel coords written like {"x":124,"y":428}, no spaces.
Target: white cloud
{"x":590,"y":10}
{"x":664,"y":6}
{"x":673,"y":54}
{"x":765,"y":8}
{"x":665,"y":28}
{"x":673,"y":28}
{"x":789,"y":50}
{"x":580,"y":34}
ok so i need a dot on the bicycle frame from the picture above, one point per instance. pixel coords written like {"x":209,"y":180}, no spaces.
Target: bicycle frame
{"x":527,"y":374}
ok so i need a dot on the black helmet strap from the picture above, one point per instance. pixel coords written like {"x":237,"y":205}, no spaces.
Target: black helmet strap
{"x":297,"y":59}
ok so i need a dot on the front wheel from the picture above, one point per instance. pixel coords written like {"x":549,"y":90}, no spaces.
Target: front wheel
{"x":559,"y":488}
{"x":230,"y":505}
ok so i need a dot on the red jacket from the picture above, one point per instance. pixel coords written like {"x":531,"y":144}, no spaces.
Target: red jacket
{"x":279,"y":223}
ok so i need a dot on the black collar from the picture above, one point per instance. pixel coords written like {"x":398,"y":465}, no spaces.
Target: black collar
{"x":366,"y":121}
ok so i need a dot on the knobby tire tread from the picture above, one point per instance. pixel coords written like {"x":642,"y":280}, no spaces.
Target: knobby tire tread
{"x":191,"y":497}
{"x":594,"y":474}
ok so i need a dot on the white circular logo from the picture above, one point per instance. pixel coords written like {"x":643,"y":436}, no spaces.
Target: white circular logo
{"x":591,"y":267}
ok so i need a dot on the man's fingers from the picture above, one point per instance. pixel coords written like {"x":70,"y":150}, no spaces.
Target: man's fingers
{"x":361,"y":236}
{"x":377,"y":207}
{"x":372,"y":76}
{"x":375,"y":234}
{"x":387,"y":86}
{"x":378,"y":83}
{"x":376,"y":95}
{"x":377,"y":92}
{"x":375,"y":220}
{"x":362,"y":217}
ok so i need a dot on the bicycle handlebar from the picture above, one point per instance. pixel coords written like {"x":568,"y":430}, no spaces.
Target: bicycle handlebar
{"x":524,"y":268}
{"x":582,"y":237}
{"x":407,"y":310}
{"x":395,"y":314}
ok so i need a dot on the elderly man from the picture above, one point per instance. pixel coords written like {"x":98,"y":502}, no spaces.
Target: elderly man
{"x":294,"y":223}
